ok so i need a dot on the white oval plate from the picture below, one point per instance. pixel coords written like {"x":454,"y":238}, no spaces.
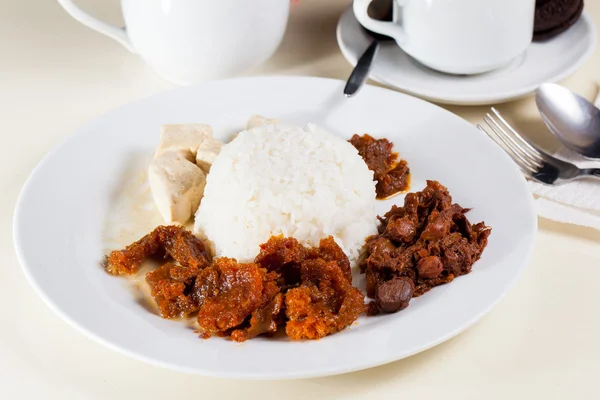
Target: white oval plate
{"x":64,"y":205}
{"x":549,"y":61}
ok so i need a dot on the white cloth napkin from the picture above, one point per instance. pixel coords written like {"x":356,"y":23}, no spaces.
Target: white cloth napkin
{"x":576,"y":202}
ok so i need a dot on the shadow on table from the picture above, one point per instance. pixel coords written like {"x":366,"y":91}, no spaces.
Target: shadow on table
{"x":581,"y":232}
{"x":310,"y":36}
{"x":519,"y":114}
{"x":405,"y":369}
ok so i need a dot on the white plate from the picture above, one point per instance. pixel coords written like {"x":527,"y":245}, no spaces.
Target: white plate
{"x":62,"y":210}
{"x":549,"y":61}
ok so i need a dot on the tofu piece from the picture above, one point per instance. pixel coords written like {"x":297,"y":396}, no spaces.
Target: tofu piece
{"x":258,"y":120}
{"x":182,"y":137}
{"x":177,"y":185}
{"x":207,"y":152}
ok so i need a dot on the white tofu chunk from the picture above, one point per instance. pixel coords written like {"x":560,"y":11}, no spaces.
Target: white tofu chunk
{"x":208,"y":150}
{"x":177,"y":185}
{"x":258,"y":120}
{"x":182,"y":137}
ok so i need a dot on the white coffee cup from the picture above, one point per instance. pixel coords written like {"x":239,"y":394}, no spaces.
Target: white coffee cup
{"x":457,"y":36}
{"x":188,"y":41}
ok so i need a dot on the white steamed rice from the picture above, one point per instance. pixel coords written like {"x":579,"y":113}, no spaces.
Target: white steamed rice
{"x":299,"y":182}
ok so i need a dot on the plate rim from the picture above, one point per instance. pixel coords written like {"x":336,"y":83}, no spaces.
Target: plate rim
{"x":330,"y":371}
{"x":472,"y":100}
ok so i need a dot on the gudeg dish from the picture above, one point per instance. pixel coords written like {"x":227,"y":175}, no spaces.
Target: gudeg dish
{"x":60,"y":224}
{"x":275,"y":180}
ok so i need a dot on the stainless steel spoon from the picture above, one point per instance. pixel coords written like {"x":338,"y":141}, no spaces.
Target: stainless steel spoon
{"x":572,"y":119}
{"x":381,"y":10}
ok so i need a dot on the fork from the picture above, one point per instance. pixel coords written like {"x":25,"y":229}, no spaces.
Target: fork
{"x":535,"y":163}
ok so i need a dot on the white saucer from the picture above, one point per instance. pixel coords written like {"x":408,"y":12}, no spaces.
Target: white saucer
{"x":542,"y":62}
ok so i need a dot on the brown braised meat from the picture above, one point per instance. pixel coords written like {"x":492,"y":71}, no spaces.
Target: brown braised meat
{"x":429,"y":241}
{"x":325,"y":302}
{"x":329,"y":250}
{"x":308,"y":290}
{"x":171,"y":284}
{"x":265,"y":319}
{"x":269,"y":314}
{"x":171,"y":287}
{"x":317,"y":282}
{"x":173,"y":241}
{"x":377,"y":153}
{"x":286,"y":255}
{"x":392,"y":176}
{"x":237,"y":300}
{"x":395,"y":294}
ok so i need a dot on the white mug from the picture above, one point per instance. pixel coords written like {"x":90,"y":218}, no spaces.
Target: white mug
{"x":188,"y":41}
{"x":457,"y":36}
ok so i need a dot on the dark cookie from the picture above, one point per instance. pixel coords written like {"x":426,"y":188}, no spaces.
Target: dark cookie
{"x":540,"y":3}
{"x":553,"y":17}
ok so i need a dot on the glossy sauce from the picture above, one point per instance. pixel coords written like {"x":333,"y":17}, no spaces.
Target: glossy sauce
{"x":392,"y":175}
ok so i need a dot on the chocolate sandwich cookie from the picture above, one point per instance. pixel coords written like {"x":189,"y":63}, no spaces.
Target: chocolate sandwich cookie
{"x":553,"y":17}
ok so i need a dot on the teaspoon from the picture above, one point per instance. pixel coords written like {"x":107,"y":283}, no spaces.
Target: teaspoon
{"x":574,"y":120}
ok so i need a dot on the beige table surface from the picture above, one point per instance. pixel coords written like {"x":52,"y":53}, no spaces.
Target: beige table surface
{"x":542,"y":341}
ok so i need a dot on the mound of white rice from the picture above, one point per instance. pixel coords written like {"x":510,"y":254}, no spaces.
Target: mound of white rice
{"x":299,"y":182}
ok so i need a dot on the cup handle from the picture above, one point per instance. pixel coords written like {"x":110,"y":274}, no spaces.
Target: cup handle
{"x":116,"y":33}
{"x":390,"y":29}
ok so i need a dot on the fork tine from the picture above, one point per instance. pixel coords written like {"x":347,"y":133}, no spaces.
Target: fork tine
{"x":526,"y":168}
{"x":513,"y":150}
{"x":495,"y":138}
{"x":516,"y":134}
{"x":528,"y":174}
{"x":498,"y":129}
{"x":532,"y":164}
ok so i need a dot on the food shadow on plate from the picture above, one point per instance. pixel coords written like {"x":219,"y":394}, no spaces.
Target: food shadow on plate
{"x":145,"y":302}
{"x":131,"y":211}
{"x":131,"y":214}
{"x":135,"y":162}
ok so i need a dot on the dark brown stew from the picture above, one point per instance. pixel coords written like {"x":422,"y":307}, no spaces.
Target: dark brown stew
{"x":427,"y":242}
{"x":392,"y":175}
